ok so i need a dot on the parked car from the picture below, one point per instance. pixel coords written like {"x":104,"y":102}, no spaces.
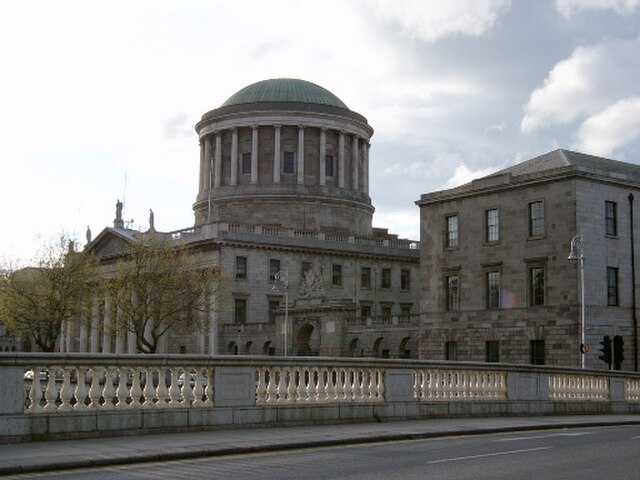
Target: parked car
{"x":192,"y":379}
{"x":42,"y":375}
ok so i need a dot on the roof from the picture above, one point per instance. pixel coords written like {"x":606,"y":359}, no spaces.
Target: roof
{"x":553,"y":164}
{"x":284,"y":90}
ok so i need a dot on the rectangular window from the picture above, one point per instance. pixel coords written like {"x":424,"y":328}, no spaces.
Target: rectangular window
{"x":612,"y":286}
{"x":452,"y":231}
{"x":241,"y":267}
{"x":492,"y":225}
{"x":240,"y":311}
{"x":385,"y":278}
{"x":453,"y":293}
{"x":273,"y":310}
{"x":536,"y":219}
{"x":365,"y":311}
{"x":536,"y":348}
{"x":493,"y":289}
{"x":288,"y":162}
{"x":492,"y":351}
{"x":611,"y":218}
{"x":246,"y":163}
{"x":536,"y":284}
{"x":328,"y":166}
{"x":274,"y":268}
{"x":336,"y":275}
{"x":385,"y":310}
{"x":405,"y":310}
{"x":405,"y":279}
{"x":365,"y":277}
{"x":451,"y":351}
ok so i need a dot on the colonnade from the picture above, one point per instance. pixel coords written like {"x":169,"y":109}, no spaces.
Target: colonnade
{"x":211,"y":158}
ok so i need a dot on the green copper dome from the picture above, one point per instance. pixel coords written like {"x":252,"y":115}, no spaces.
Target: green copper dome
{"x":284,"y":90}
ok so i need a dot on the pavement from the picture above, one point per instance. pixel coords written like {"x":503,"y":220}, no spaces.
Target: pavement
{"x":94,"y":452}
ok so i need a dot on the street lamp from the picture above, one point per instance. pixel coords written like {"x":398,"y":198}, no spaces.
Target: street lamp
{"x":281,"y":278}
{"x":577,"y":253}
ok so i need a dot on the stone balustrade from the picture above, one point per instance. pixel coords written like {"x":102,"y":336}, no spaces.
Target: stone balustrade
{"x":67,"y":395}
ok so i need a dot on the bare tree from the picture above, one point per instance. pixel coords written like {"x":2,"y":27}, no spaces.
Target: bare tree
{"x":157,"y":287}
{"x":37,"y":300}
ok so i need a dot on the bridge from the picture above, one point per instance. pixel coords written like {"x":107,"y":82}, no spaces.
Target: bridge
{"x":49,"y":396}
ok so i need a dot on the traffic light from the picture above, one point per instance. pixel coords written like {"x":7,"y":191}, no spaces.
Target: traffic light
{"x":618,"y":351}
{"x":605,"y":349}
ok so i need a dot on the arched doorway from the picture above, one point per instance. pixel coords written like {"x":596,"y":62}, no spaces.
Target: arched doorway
{"x":405,"y":348}
{"x":354,"y":348}
{"x":307,"y":341}
{"x":380,"y":349}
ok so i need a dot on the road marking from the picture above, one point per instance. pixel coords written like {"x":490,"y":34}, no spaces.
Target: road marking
{"x":486,"y":455}
{"x":538,"y":437}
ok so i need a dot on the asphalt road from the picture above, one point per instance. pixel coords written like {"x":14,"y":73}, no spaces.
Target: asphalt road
{"x":584,"y":454}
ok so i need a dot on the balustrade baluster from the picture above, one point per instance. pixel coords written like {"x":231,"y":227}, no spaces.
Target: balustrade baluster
{"x":271,"y":385}
{"x":208,"y":391}
{"x":94,"y":390}
{"x":148,"y":391}
{"x":122,"y":392}
{"x":174,"y":389}
{"x":81,"y":389}
{"x":290,"y":373}
{"x":66,"y":392}
{"x":51,"y":393}
{"x":136,"y":389}
{"x":282,"y":386}
{"x":162,"y":393}
{"x":35,"y":392}
{"x":108,"y":392}
{"x":187,"y":390}
{"x":261,"y":391}
{"x":198,"y":390}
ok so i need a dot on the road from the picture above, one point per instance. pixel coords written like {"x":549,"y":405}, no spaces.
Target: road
{"x":581,"y":454}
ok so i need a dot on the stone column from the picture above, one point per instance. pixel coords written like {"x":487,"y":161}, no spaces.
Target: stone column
{"x":213,"y":326}
{"x":341,"y":160}
{"x":82,"y":348}
{"x":300,"y":154}
{"x":234,"y":156}
{"x":94,"y":346}
{"x":323,"y":156}
{"x":120,"y":337}
{"x":207,"y":163}
{"x":254,"y":154}
{"x":63,"y":336}
{"x":69,"y":337}
{"x":131,"y":342}
{"x":276,"y":154}
{"x":355,"y":161}
{"x":365,"y":167}
{"x":218,"y":160}
{"x":202,"y":167}
{"x":106,"y":327}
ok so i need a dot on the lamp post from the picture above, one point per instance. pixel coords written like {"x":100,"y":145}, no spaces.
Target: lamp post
{"x":281,"y":278}
{"x":577,"y":253}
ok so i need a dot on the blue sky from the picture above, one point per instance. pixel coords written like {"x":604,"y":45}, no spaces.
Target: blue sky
{"x":99,"y":99}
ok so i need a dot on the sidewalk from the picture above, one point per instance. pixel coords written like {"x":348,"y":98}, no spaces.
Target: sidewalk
{"x":67,"y":454}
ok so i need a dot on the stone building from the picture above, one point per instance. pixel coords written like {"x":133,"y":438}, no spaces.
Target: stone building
{"x":283,"y":210}
{"x":496,"y":281}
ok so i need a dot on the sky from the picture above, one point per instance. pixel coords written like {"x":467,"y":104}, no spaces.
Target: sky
{"x":98,"y":100}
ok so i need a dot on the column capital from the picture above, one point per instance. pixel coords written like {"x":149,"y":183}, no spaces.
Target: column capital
{"x":302,"y":126}
{"x":277,"y":125}
{"x":254,"y":126}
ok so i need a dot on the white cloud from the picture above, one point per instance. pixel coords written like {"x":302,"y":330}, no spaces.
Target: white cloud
{"x":437,"y":19}
{"x":464,"y":174}
{"x":569,"y":7}
{"x":591,"y":79}
{"x":617,"y":125}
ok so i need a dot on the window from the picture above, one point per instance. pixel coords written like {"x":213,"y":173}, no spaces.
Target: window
{"x":365,"y":310}
{"x":493,"y":289}
{"x":385,"y":310}
{"x":288,"y":162}
{"x":336,"y":275}
{"x":405,"y":310}
{"x":536,"y":348}
{"x":492,"y":225}
{"x":612,"y":286}
{"x":451,"y":350}
{"x":452,"y":231}
{"x":365,"y":277}
{"x":328,"y":166}
{"x":274,"y":268}
{"x":405,"y":279}
{"x":246,"y":163}
{"x":273,"y":310}
{"x":385,"y":278}
{"x":241,"y":267}
{"x":492,"y":351}
{"x":240,"y":310}
{"x":452,"y":293}
{"x":536,"y":219}
{"x":611,"y":218}
{"x":536,"y":284}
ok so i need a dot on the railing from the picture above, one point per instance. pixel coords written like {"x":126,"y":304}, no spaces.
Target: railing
{"x":92,"y":394}
{"x":319,"y":385}
{"x":383,"y":320}
{"x":449,"y":384}
{"x":578,"y":387}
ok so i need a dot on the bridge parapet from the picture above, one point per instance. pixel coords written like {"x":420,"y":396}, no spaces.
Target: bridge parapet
{"x":72,"y":395}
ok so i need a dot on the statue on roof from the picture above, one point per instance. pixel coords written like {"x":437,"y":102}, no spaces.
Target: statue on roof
{"x":151,"y":220}
{"x":118,"y":222}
